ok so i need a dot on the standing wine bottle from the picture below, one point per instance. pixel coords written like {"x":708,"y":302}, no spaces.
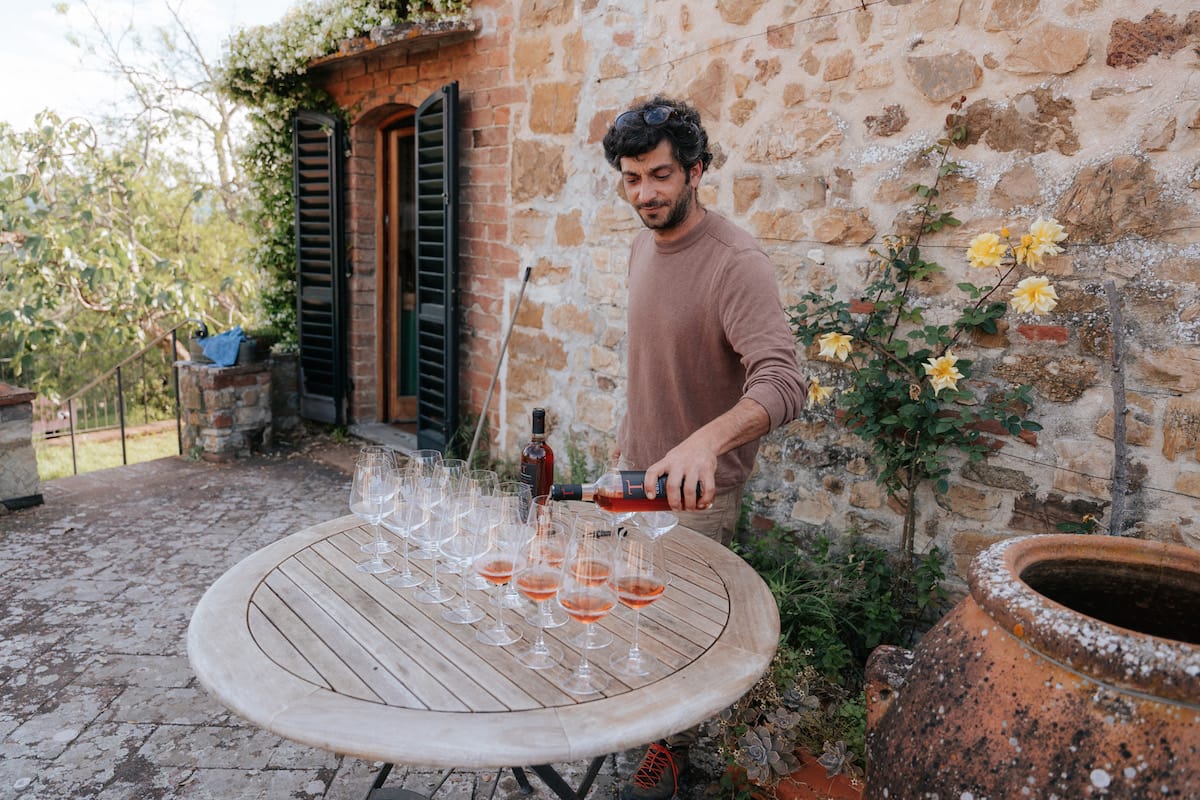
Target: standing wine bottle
{"x":537,"y":459}
{"x":617,"y":491}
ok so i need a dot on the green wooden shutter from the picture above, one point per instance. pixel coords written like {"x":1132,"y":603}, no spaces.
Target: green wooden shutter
{"x":320,"y":266}
{"x":437,"y":268}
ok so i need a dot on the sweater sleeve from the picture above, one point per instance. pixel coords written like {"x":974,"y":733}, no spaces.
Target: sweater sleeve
{"x":757,"y":329}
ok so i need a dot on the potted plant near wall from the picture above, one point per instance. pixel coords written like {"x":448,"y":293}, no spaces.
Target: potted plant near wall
{"x":257,"y":345}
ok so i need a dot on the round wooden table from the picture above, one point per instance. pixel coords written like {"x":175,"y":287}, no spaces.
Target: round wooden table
{"x":298,"y":641}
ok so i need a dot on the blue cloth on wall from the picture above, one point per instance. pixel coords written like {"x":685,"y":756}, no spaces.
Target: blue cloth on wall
{"x":223,"y":348}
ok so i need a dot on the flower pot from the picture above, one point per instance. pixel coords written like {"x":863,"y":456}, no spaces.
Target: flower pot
{"x":1072,"y":669}
{"x":251,"y":351}
{"x":809,"y":781}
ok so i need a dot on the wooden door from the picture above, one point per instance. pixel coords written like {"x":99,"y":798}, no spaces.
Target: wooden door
{"x":398,"y":295}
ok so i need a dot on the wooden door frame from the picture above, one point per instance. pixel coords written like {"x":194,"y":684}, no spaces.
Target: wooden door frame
{"x":386,"y":372}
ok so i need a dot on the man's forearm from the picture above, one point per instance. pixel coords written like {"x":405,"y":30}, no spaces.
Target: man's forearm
{"x":745,"y":422}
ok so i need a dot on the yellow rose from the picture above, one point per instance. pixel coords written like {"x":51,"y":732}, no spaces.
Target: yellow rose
{"x":818,"y":395}
{"x":942,"y":372}
{"x":986,"y":250}
{"x":1034,"y":295}
{"x":835,"y":345}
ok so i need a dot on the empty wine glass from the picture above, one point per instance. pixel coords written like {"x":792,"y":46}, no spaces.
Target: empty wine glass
{"x":378,"y":451}
{"x":496,"y":565}
{"x":538,"y":576}
{"x":639,"y":577}
{"x":433,"y":491}
{"x":485,"y":481}
{"x":587,"y":596}
{"x":372,"y":491}
{"x":656,"y":523}
{"x":456,"y":469}
{"x":432,"y":536}
{"x":464,"y":549}
{"x":406,"y":515}
{"x":593,"y":526}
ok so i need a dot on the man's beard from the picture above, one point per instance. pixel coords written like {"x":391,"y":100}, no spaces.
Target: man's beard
{"x":679,"y":211}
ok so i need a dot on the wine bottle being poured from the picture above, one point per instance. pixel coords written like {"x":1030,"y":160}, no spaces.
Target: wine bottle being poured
{"x":617,"y":491}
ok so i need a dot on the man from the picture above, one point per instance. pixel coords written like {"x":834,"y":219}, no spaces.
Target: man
{"x":711,"y":358}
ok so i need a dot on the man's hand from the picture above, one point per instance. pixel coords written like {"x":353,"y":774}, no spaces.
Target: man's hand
{"x":686,"y":465}
{"x":694,"y":460}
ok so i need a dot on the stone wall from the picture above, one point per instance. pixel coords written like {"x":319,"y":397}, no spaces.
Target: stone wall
{"x":820,"y":110}
{"x":18,"y":461}
{"x":226,"y":411}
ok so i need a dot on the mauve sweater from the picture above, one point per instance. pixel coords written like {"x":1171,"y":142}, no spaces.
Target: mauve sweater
{"x":705,"y":329}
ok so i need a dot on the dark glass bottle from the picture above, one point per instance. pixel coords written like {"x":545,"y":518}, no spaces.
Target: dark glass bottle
{"x":618,"y":491}
{"x":537,"y":459}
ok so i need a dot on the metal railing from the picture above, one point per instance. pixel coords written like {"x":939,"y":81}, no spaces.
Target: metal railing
{"x":135,"y":387}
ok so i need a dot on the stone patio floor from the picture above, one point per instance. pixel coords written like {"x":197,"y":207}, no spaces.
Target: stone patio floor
{"x":97,"y":699}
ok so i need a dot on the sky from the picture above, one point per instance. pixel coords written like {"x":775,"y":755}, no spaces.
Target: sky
{"x":42,"y":69}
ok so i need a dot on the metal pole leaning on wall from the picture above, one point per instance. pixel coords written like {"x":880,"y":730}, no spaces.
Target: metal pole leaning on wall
{"x":487,"y":400}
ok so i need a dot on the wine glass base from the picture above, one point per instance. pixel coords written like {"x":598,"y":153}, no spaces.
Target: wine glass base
{"x":377,"y":548}
{"x":376,"y":566}
{"x":599,"y":639}
{"x":591,"y":683}
{"x":423,"y":554}
{"x":496,"y":637}
{"x":463,"y":615}
{"x":550,"y":655}
{"x":631,"y":666}
{"x":433,"y":594}
{"x":552,"y":617}
{"x":404,"y":580}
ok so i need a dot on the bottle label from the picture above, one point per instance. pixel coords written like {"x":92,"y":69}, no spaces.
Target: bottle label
{"x":529,"y":474}
{"x":633,"y":484}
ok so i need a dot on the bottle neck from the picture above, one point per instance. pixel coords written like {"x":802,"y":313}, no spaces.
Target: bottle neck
{"x":585,"y":492}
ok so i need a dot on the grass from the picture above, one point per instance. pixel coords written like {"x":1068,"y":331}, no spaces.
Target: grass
{"x":95,"y":452}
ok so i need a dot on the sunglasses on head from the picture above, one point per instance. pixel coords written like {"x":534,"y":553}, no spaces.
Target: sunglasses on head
{"x":654,"y":116}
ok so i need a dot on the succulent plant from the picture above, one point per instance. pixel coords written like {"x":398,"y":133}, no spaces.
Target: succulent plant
{"x":836,"y":758}
{"x":766,"y":756}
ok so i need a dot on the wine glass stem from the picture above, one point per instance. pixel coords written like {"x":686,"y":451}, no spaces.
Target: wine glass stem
{"x":634,"y":650}
{"x":406,"y":571}
{"x":465,"y":574}
{"x":499,"y":612}
{"x":378,"y":541}
{"x":584,"y":669}
{"x":539,"y":644}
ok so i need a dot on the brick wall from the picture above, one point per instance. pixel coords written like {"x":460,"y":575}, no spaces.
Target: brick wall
{"x":226,"y":411}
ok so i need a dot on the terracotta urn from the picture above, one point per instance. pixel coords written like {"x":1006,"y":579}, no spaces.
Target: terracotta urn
{"x":1071,"y":670}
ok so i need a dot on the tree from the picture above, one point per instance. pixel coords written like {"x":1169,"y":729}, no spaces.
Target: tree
{"x":112,"y":231}
{"x":100,"y":249}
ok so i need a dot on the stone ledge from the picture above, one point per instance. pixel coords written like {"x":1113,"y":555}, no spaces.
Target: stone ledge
{"x":14,"y":395}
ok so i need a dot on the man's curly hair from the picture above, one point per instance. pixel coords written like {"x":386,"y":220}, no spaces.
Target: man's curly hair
{"x":689,"y":142}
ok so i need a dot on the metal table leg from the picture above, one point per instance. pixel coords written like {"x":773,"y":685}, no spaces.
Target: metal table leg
{"x":549,"y":775}
{"x":560,"y":787}
{"x":380,"y":792}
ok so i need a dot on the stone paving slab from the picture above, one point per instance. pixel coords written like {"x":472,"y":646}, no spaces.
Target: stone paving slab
{"x":97,"y":700}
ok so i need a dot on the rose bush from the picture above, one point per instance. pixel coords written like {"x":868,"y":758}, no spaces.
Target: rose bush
{"x":909,"y":392}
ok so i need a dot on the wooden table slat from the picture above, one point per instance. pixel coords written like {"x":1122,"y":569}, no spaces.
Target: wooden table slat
{"x":447,"y":650}
{"x":351,"y":668}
